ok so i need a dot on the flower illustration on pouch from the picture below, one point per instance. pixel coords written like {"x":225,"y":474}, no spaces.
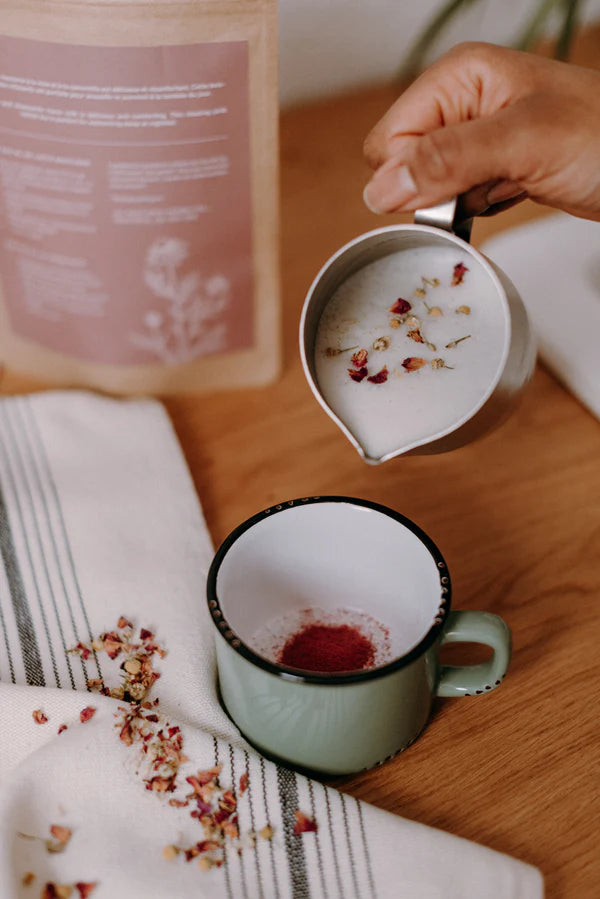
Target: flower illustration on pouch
{"x":191,"y":323}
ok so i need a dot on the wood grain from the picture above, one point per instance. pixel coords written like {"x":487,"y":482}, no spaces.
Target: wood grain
{"x":517,"y":516}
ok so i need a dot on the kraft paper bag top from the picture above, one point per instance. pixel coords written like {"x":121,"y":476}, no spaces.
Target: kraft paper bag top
{"x":138,"y":211}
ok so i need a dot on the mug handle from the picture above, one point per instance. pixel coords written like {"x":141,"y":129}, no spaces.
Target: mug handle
{"x":475,"y":627}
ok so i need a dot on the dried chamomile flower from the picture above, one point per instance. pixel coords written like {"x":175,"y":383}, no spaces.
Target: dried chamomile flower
{"x":464,"y":310}
{"x":439,"y":363}
{"x":413,"y":322}
{"x":381,"y":343}
{"x":395,"y":323}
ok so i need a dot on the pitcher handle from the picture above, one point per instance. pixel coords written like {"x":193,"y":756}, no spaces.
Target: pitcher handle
{"x":444,"y":217}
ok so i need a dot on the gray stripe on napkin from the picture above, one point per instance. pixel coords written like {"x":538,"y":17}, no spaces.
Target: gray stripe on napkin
{"x":32,"y":661}
{"x":240,"y":854}
{"x":288,"y":797}
{"x":269,"y":819}
{"x":313,"y":811}
{"x":367,"y":854}
{"x":7,"y":646}
{"x":28,"y":492}
{"x":225,"y":859}
{"x":334,"y":851}
{"x":259,"y":880}
{"x":53,"y":499}
{"x":349,"y":845}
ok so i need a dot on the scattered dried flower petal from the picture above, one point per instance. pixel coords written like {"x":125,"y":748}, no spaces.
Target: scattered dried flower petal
{"x":434,"y":311}
{"x":400,"y":307}
{"x":381,"y":343}
{"x":244,"y":783}
{"x":413,"y":322}
{"x":358,"y":375}
{"x":61,"y":835}
{"x":206,"y":863}
{"x":439,"y":363}
{"x":124,"y":622}
{"x":266,"y":832}
{"x":87,"y":713}
{"x":413,"y":363}
{"x":85,"y":889}
{"x":395,"y":323}
{"x":28,"y":878}
{"x":170,"y":852}
{"x":132,"y":666}
{"x":454,"y":343}
{"x":359,"y":359}
{"x":464,"y":310}
{"x":381,"y":376}
{"x":458,"y":274}
{"x":420,"y":292}
{"x":39,"y":717}
{"x":56,"y":891}
{"x":416,"y":335}
{"x":304,"y":824}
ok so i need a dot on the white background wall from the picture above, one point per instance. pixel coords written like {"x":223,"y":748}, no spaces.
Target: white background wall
{"x":327,"y":46}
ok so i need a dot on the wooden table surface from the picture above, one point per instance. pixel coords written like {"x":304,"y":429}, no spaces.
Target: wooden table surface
{"x":517,"y":516}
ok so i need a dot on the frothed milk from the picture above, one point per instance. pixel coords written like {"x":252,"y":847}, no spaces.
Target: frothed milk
{"x":410,"y":346}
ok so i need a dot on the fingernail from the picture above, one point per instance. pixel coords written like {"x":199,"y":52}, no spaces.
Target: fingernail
{"x":503,"y":190}
{"x":389,"y":190}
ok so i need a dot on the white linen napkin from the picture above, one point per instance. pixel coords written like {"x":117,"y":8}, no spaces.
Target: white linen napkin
{"x":555,"y":265}
{"x":99,"y":519}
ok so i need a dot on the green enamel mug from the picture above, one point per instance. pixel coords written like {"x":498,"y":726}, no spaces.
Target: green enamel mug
{"x":340,"y":561}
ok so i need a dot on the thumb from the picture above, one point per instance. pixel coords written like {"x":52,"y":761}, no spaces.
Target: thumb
{"x":448,"y":161}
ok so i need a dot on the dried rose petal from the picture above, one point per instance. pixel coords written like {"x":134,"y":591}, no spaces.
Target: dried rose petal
{"x":145,"y":634}
{"x":400,"y":307}
{"x":304,"y":824}
{"x":61,"y":728}
{"x":56,"y":891}
{"x":244,"y":783}
{"x":39,"y":717}
{"x":381,"y":376}
{"x":85,"y":714}
{"x":358,"y":375}
{"x":458,"y":274}
{"x":413,"y":363}
{"x":359,"y":359}
{"x":83,"y":650}
{"x":85,"y":889}
{"x":416,"y":336}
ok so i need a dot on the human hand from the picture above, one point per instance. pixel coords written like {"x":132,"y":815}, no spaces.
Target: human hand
{"x":495,"y":126}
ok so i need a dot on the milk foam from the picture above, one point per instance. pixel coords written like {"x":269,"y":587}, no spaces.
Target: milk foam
{"x":411,"y":407}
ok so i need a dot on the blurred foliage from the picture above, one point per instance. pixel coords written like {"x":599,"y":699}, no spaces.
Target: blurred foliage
{"x":542,"y":21}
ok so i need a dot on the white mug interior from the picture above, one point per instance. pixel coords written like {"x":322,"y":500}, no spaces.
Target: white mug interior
{"x":331,"y":555}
